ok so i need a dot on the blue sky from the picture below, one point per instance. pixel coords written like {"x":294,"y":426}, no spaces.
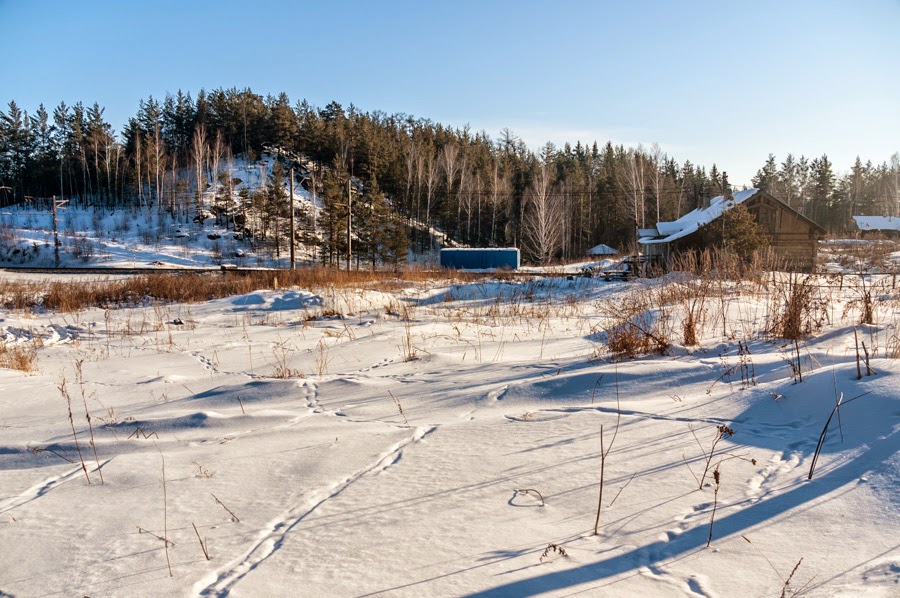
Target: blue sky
{"x":723,"y":82}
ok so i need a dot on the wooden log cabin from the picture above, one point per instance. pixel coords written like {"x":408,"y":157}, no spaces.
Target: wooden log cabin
{"x":792,"y":236}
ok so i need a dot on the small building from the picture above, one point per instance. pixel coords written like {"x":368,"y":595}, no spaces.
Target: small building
{"x":792,"y":236}
{"x":889,"y":226}
{"x":503,"y":258}
{"x":602,"y":250}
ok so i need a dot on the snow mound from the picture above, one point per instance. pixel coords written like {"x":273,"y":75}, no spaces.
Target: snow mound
{"x":276,"y":300}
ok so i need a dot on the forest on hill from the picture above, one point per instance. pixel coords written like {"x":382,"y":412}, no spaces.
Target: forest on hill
{"x":410,"y":174}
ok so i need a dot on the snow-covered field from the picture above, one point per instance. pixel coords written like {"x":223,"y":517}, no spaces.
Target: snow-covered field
{"x":446,"y":440}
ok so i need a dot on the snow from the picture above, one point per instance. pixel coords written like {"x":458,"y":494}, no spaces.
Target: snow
{"x":877,"y":223}
{"x":141,"y":237}
{"x":692,"y":221}
{"x":395,"y":456}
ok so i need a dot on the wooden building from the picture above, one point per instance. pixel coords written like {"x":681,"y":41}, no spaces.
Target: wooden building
{"x":793,"y":236}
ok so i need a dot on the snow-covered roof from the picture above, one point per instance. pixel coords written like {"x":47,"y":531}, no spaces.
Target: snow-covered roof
{"x":602,"y":249}
{"x":877,"y":222}
{"x":691,"y":222}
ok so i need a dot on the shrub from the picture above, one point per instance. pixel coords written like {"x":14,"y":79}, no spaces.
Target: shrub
{"x":797,"y":309}
{"x":82,"y":248}
{"x":638,"y":324}
{"x":16,"y":357}
{"x":736,"y":231}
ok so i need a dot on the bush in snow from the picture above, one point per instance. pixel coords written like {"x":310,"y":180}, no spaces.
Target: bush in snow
{"x":82,"y":248}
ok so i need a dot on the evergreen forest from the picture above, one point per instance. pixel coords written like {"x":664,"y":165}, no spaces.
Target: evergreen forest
{"x":412,"y":179}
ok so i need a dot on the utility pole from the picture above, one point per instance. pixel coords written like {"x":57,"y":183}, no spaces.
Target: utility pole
{"x":349,"y":226}
{"x":56,"y":204}
{"x":293,"y":237}
{"x":55,"y":236}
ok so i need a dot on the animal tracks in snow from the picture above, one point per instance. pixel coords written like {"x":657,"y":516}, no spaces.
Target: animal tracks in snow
{"x":271,"y":539}
{"x":43,"y":487}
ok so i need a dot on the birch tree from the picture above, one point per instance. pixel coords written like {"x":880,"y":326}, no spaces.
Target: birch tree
{"x":430,"y":170}
{"x":542,"y":226}
{"x":501,"y":189}
{"x":199,"y":150}
{"x":449,"y":160}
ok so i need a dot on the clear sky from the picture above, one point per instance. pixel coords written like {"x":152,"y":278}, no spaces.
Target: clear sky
{"x":710,"y":81}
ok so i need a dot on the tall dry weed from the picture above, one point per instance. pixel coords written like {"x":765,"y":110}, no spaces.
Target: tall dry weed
{"x":798,"y":309}
{"x":18,"y":357}
{"x":637,"y":323}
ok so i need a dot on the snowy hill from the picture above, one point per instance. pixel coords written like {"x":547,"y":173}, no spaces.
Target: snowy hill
{"x":151,"y":235}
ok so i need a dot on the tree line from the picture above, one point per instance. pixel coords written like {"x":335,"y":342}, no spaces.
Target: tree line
{"x":416,"y":183}
{"x":813,"y":188}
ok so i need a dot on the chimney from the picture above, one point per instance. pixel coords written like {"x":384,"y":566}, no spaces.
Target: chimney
{"x":726,"y":188}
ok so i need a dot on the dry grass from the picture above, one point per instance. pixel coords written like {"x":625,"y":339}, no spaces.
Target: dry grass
{"x":70,"y":296}
{"x":17,"y":357}
{"x":797,"y":309}
{"x":637,"y":323}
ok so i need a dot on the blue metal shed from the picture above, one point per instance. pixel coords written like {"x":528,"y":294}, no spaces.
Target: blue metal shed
{"x":480,"y":259}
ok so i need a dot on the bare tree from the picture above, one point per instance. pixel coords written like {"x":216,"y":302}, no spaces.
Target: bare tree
{"x":430,"y":172}
{"x":410,"y":156}
{"x":632,"y":181}
{"x":158,"y":159}
{"x":449,"y":160}
{"x":138,"y":141}
{"x":499,"y":197}
{"x":199,"y":150}
{"x":894,"y":182}
{"x":542,"y":224}
{"x":215,"y":157}
{"x":657,"y":159}
{"x":464,"y":176}
{"x":411,"y":160}
{"x":467,"y":198}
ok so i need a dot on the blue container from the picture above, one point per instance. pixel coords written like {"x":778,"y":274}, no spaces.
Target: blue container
{"x":505,"y":258}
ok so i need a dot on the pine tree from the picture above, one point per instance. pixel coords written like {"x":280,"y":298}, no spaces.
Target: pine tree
{"x":395,"y":241}
{"x":736,"y":230}
{"x":822,"y":196}
{"x":284,"y":128}
{"x":275,"y":208}
{"x":16,"y":150}
{"x":789,"y":182}
{"x":766,"y":178}
{"x":333,"y":216}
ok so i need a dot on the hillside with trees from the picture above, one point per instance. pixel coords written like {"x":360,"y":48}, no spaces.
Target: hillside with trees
{"x":411,"y":178}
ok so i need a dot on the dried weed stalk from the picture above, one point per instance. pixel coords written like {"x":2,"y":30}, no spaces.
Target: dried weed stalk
{"x":65,"y":394}
{"x":785,"y":583}
{"x":604,"y":453}
{"x":79,"y":379}
{"x":399,"y":407}
{"x":717,"y":476}
{"x":551,"y":549}
{"x":234,"y":518}
{"x":722,"y":431}
{"x":203,"y":545}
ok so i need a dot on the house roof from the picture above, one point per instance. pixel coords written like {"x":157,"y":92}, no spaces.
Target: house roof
{"x":692,"y":221}
{"x":602,"y":249}
{"x":877,"y":222}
